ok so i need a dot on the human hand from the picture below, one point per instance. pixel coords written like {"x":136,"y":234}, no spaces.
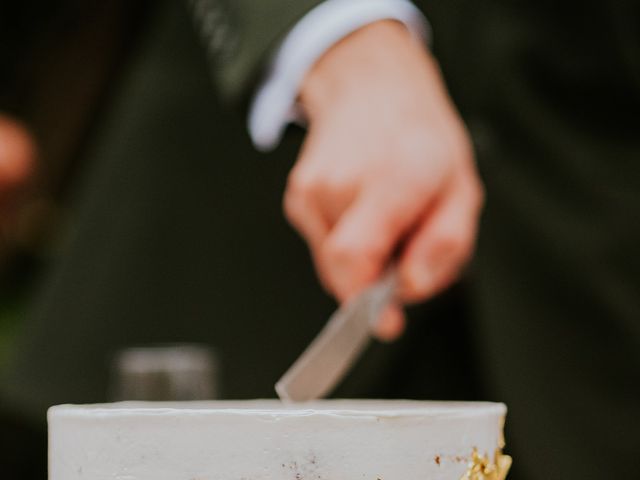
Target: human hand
{"x":386,"y":172}
{"x":17,"y":156}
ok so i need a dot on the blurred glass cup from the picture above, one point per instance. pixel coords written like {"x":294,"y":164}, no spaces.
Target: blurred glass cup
{"x":164,"y":373}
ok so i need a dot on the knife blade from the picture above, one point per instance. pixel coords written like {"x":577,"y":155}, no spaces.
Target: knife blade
{"x":334,"y":350}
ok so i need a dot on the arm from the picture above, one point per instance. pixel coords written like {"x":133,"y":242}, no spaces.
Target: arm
{"x":386,"y":171}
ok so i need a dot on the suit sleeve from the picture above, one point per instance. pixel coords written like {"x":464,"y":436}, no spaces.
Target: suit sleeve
{"x":240,"y":35}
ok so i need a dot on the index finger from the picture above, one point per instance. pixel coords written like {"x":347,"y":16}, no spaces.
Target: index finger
{"x":361,"y":244}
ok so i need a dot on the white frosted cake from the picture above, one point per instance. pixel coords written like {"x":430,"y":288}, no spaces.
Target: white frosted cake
{"x":266,"y":440}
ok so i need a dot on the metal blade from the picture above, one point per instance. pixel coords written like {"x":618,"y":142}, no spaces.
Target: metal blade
{"x":330,"y":355}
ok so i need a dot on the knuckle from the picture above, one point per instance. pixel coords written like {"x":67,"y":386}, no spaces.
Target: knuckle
{"x":456,"y":245}
{"x":418,"y":276}
{"x":314,"y":183}
{"x":339,"y":252}
{"x":414,"y":290}
{"x":349,"y":255}
{"x":301,"y":183}
{"x":453,"y":143}
{"x":291,"y":207}
{"x":336,"y":182}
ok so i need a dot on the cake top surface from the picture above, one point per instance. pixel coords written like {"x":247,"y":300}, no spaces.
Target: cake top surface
{"x":271,"y":440}
{"x":342,"y":408}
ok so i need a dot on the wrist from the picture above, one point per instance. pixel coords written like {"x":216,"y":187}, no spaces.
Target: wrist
{"x":340,"y":72}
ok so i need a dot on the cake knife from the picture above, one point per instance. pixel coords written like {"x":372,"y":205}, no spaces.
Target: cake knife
{"x":334,"y":350}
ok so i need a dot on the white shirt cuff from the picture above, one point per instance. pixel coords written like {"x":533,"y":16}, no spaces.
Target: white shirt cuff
{"x":274,"y":104}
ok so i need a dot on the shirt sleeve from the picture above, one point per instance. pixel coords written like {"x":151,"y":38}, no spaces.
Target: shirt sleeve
{"x":274,"y":104}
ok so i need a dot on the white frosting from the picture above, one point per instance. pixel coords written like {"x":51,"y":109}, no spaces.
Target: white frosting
{"x":266,"y":440}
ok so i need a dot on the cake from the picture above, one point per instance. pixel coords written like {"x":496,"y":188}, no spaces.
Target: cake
{"x":268,"y":440}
